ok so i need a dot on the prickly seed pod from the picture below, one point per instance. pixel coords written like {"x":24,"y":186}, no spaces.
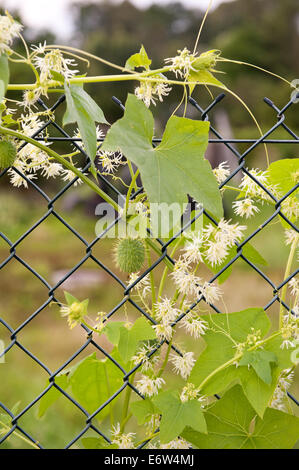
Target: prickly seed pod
{"x":8,"y":153}
{"x":129,"y":254}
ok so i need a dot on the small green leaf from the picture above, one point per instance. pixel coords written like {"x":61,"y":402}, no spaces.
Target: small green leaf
{"x":261,"y":362}
{"x":177,"y":415}
{"x":203,"y":77}
{"x":129,"y":338}
{"x":70,"y":299}
{"x":4,"y":75}
{"x":180,"y":154}
{"x":81,"y":108}
{"x":140,"y":59}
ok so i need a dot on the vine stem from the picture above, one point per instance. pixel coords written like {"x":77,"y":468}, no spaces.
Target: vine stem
{"x":23,"y":438}
{"x":286,"y":275}
{"x":126,"y":405}
{"x":63,"y":162}
{"x":234,"y":359}
{"x":166,"y":358}
{"x":151,"y":274}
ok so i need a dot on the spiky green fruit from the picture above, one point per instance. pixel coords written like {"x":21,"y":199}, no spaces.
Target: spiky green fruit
{"x":129,"y":255}
{"x":8,"y":153}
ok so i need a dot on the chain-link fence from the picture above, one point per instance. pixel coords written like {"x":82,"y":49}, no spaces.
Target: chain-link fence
{"x":232,"y":145}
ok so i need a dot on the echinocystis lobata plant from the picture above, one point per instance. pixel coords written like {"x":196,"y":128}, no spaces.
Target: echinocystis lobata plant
{"x":245,"y":360}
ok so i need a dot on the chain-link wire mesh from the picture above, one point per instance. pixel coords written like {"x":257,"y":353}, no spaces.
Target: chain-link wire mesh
{"x":91,"y":338}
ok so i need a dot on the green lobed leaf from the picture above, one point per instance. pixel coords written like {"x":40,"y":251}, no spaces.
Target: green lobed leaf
{"x":231,"y":425}
{"x":176,"y":166}
{"x":129,"y":338}
{"x":89,"y":383}
{"x":140,"y":59}
{"x":81,"y":108}
{"x":4,"y":75}
{"x":177,"y":415}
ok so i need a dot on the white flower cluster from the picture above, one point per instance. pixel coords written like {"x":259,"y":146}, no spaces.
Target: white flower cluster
{"x":190,"y":392}
{"x":279,"y":399}
{"x":182,"y":63}
{"x":290,"y":329}
{"x":150,"y":92}
{"x":178,"y":443}
{"x":149,"y":387}
{"x":193,"y":325}
{"x":123,"y":441}
{"x":142,"y":286}
{"x":31,"y":160}
{"x":183,"y":364}
{"x":142,"y":356}
{"x":9,"y":29}
{"x":254,"y":192}
{"x":221,"y":172}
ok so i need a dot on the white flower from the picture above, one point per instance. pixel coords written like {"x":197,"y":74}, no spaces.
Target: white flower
{"x":193,"y":325}
{"x":165,"y":311}
{"x":192,"y":249}
{"x":53,"y":60}
{"x":190,"y":392}
{"x":181,"y":64}
{"x":229,"y":233}
{"x":123,"y":441}
{"x":143,"y":356}
{"x":178,"y":443}
{"x":149,"y":92}
{"x":149,"y":387}
{"x":186,"y":281}
{"x":183,"y":364}
{"x":221,"y":172}
{"x":251,"y":188}
{"x":279,"y":398}
{"x":30,"y":97}
{"x":290,"y":207}
{"x":245,"y":207}
{"x":110,"y":161}
{"x":9,"y":29}
{"x":69,"y":175}
{"x":294,"y":286}
{"x":211,"y":292}
{"x":52,"y":170}
{"x":290,"y":236}
{"x":216,"y":252}
{"x":163,"y":331}
{"x":143,"y":285}
{"x":219,"y":239}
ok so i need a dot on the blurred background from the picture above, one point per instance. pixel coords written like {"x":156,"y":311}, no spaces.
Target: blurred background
{"x":262,"y":32}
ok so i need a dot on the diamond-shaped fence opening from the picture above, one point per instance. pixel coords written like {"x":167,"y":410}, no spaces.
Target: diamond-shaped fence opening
{"x":14,"y":261}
